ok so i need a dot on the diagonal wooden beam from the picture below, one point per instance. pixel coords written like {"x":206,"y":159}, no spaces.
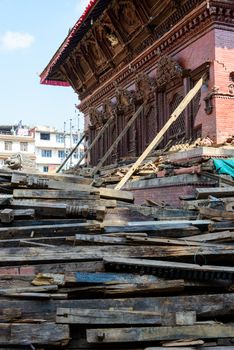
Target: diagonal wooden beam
{"x":118,"y":139}
{"x":70,"y":154}
{"x":184,"y":103}
{"x":100,"y":133}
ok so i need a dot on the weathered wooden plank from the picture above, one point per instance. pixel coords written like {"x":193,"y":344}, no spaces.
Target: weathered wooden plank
{"x":141,"y":334}
{"x":47,"y":229}
{"x":154,"y":226}
{"x":205,"y":306}
{"x":170,"y":269}
{"x":215,"y":192}
{"x":130,"y":289}
{"x":30,"y":202}
{"x":44,"y":333}
{"x":110,"y":193}
{"x":29,"y":289}
{"x":56,"y":267}
{"x":20,"y":177}
{"x":10,"y":314}
{"x":109,"y":278}
{"x":54,"y":194}
{"x":101,"y":239}
{"x":36,"y":182}
{"x":222,"y":236}
{"x":124,"y":289}
{"x":79,"y":253}
{"x":216,"y":214}
{"x":164,"y":241}
{"x":223,"y":225}
{"x":104,"y":317}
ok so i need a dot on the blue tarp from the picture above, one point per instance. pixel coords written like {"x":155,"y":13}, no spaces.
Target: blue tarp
{"x":224,"y":166}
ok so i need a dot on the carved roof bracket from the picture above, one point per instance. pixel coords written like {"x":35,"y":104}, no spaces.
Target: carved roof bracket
{"x":167,"y":70}
{"x":145,"y":87}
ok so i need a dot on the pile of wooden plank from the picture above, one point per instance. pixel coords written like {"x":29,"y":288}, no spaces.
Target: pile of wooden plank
{"x":82,"y":267}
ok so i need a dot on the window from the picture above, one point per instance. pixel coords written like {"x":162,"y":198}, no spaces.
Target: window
{"x":46,"y":153}
{"x":23,"y":146}
{"x":60,"y":138}
{"x":8,"y":146}
{"x":75,"y":139}
{"x":45,"y":136}
{"x":45,"y":169}
{"x":75,"y":155}
{"x":61,"y":154}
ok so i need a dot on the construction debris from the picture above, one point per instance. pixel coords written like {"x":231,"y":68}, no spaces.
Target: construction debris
{"x":83,"y":267}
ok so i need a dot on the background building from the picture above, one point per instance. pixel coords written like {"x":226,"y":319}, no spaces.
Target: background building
{"x":42,"y":147}
{"x":51,"y":147}
{"x":16,"y":139}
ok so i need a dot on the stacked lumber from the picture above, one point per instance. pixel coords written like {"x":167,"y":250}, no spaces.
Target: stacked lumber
{"x":82,"y":267}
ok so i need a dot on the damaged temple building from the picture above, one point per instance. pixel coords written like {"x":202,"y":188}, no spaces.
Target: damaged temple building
{"x":133,"y":62}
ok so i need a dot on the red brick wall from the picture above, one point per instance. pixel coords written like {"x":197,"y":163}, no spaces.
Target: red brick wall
{"x":167,"y":194}
{"x":201,"y":50}
{"x":223,"y":66}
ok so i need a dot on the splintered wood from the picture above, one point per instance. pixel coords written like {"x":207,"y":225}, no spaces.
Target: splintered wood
{"x":83,"y":267}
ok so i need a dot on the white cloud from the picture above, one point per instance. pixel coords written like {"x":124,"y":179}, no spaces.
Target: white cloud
{"x":16,"y":40}
{"x":81,"y":5}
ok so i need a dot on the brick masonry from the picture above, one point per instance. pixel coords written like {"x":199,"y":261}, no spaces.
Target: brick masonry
{"x":168,"y":194}
{"x":223,"y":67}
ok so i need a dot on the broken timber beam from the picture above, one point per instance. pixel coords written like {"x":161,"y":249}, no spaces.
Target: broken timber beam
{"x":184,"y":103}
{"x":118,"y":139}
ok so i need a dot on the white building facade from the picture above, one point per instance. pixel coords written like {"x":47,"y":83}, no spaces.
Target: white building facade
{"x":52,"y":146}
{"x":16,"y":141}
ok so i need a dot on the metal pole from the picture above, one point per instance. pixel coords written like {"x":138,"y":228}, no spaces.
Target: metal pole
{"x":70,"y":141}
{"x":65,"y":146}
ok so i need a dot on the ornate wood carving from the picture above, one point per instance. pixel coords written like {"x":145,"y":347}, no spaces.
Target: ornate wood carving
{"x":95,"y":117}
{"x":125,"y":12}
{"x":108,"y":109}
{"x":109,"y":34}
{"x":125,"y":100}
{"x":145,"y":87}
{"x":167,"y":69}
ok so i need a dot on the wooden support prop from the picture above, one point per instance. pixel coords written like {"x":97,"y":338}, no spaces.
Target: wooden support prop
{"x":100,"y":133}
{"x":184,"y":103}
{"x":118,"y":139}
{"x":70,"y":154}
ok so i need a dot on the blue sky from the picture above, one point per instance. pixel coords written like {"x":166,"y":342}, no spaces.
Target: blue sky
{"x":30,"y":33}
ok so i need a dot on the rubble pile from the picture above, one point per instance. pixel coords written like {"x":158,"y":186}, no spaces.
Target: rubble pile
{"x":83,"y":267}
